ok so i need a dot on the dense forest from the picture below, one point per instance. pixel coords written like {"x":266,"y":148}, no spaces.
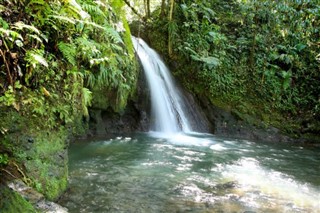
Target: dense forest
{"x":261,"y":58}
{"x":258,"y":59}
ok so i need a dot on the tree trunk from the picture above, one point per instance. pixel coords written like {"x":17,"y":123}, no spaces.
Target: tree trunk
{"x":169,"y":36}
{"x":163,"y":13}
{"x":148,"y":9}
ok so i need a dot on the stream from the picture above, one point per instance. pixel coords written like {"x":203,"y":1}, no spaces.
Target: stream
{"x":155,"y":172}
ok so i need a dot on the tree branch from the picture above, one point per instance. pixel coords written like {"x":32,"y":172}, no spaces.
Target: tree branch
{"x":133,"y":9}
{"x":8,"y":69}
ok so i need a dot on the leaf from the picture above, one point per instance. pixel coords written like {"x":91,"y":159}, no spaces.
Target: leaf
{"x":86,"y":100}
{"x":40,"y":59}
{"x":19,"y":43}
{"x":2,"y":8}
{"x":300,"y":47}
{"x":68,"y":51}
{"x":20,"y":25}
{"x":64,"y":19}
{"x":286,"y":79}
{"x":6,"y":33}
{"x":34,"y":58}
{"x":45,"y":92}
{"x":210,"y":60}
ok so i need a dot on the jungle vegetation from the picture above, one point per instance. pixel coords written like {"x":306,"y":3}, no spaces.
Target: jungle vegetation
{"x":53,"y":55}
{"x":260,"y":58}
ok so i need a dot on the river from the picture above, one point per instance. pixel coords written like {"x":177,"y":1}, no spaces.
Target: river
{"x":150,"y":172}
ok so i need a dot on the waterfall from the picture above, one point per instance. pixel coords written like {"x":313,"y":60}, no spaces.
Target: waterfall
{"x":168,"y":105}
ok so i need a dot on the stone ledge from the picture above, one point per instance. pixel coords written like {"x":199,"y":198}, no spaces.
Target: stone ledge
{"x":35,"y":198}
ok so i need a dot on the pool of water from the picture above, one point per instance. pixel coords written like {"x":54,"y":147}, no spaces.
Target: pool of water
{"x":150,"y":172}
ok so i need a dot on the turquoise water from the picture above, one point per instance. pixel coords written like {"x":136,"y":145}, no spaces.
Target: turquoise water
{"x":191,"y":173}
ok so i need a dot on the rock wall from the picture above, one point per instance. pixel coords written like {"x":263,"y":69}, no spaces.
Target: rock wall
{"x":104,"y":119}
{"x":210,"y":118}
{"x":227,"y":123}
{"x":39,"y":156}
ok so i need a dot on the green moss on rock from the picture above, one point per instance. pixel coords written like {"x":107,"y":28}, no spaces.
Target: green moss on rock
{"x":46,"y":163}
{"x":40,"y":153}
{"x":12,"y":202}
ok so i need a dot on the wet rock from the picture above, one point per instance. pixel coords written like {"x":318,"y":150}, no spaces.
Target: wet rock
{"x":228,"y":185}
{"x":35,"y":198}
{"x":228,"y":124}
{"x":30,"y":140}
{"x":135,"y":117}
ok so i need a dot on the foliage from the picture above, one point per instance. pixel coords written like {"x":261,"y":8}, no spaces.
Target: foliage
{"x":260,"y":54}
{"x":4,"y":159}
{"x":53,"y":55}
{"x":12,"y":202}
{"x":56,"y":49}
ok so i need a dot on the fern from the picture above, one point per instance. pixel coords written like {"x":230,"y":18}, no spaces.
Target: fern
{"x":94,"y":11}
{"x":10,"y":33}
{"x":86,"y":100}
{"x":64,"y":19}
{"x":113,"y":34}
{"x":102,"y":78}
{"x":88,"y":49}
{"x":35,"y":37}
{"x":20,"y":26}
{"x":90,"y":79}
{"x":68,"y":51}
{"x":35,"y":57}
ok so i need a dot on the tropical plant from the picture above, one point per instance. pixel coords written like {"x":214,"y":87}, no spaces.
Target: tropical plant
{"x":260,"y":54}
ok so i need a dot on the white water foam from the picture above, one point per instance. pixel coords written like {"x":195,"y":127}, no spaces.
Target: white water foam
{"x":254,"y":180}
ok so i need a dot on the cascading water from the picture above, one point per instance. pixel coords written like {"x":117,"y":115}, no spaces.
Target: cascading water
{"x":168,"y":107}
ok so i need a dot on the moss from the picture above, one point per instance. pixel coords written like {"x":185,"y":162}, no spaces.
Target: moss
{"x":46,"y":163}
{"x":12,"y":202}
{"x":40,"y":154}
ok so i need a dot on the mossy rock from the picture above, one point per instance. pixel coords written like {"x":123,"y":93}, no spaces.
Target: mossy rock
{"x":42,"y":157}
{"x":12,"y":202}
{"x":47,"y":163}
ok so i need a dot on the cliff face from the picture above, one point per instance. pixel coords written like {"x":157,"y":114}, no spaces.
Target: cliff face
{"x":214,"y":119}
{"x":56,"y":60}
{"x":105,"y":119}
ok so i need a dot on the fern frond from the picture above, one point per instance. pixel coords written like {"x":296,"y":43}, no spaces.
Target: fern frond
{"x":20,"y":26}
{"x":64,"y":19}
{"x":90,"y":78}
{"x":88,"y":48}
{"x":35,"y":57}
{"x":102,"y":78}
{"x":6,"y":33}
{"x":73,"y":8}
{"x":113,"y":34}
{"x":68,"y":51}
{"x":86,"y":100}
{"x":39,"y":2}
{"x":35,"y":37}
{"x":93,"y":10}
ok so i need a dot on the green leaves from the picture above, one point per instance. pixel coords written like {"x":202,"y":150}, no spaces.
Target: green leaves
{"x":54,"y":48}
{"x":86,"y":101}
{"x":68,"y":51}
{"x":209,"y":61}
{"x":35,"y":58}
